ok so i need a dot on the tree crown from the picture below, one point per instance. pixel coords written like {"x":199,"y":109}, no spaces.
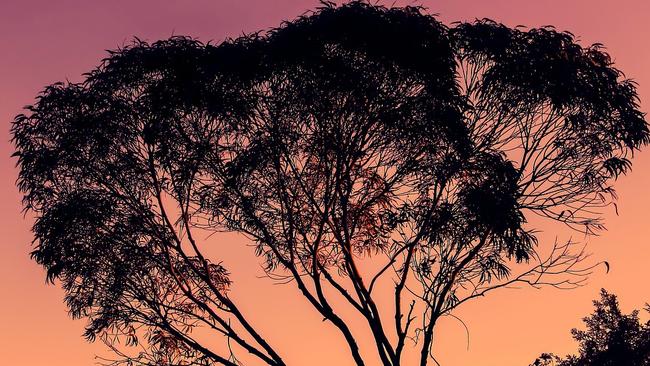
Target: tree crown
{"x":350,"y":133}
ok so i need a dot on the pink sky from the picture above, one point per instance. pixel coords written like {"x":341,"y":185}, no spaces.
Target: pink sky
{"x":47,"y":41}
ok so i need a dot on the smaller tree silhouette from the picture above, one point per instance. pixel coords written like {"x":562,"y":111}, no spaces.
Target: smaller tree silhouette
{"x":611,"y":338}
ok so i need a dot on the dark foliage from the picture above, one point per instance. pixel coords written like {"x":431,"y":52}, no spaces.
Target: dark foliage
{"x":611,"y":338}
{"x":353,"y":133}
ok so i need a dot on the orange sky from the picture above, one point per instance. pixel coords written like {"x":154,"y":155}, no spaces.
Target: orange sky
{"x":45,"y":41}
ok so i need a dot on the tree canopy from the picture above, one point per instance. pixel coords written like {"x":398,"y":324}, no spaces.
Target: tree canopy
{"x":354,"y":133}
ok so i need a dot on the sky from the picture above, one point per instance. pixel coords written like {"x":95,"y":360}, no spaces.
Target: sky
{"x":44,"y":41}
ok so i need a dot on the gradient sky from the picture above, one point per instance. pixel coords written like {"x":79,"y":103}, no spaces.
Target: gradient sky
{"x":44,"y":41}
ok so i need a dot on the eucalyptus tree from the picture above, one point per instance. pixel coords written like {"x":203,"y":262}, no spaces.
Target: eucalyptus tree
{"x":358,"y":147}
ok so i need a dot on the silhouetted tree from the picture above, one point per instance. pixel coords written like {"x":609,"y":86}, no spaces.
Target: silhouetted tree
{"x":611,"y":338}
{"x":353,"y":134}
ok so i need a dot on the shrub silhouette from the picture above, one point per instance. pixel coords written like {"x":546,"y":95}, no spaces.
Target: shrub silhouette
{"x":611,"y":338}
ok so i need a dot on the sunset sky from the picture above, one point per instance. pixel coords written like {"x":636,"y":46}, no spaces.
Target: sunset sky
{"x":45,"y":41}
